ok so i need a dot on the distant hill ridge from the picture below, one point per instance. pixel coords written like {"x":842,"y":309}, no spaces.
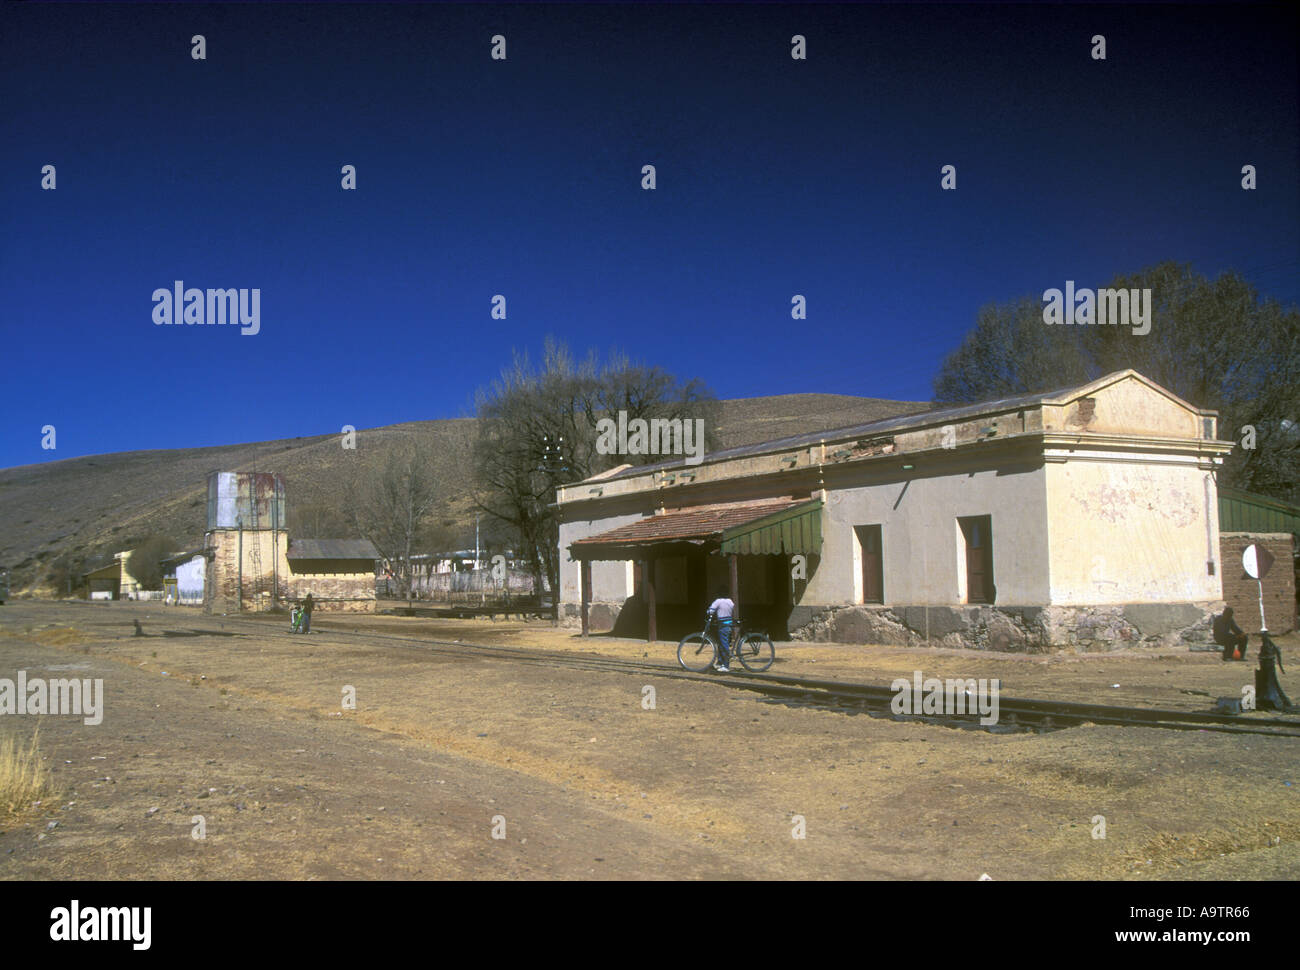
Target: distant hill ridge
{"x":109,"y":502}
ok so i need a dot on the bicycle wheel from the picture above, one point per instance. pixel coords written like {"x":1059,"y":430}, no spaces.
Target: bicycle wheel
{"x":696,"y":652}
{"x":756,"y":652}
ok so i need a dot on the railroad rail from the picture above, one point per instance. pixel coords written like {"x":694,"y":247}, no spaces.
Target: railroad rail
{"x":1015,"y":713}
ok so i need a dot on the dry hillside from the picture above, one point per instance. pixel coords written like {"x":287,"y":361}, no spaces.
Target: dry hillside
{"x":105,"y":503}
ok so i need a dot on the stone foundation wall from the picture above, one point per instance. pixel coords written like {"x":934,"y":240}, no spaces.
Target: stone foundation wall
{"x":1012,"y":628}
{"x":601,"y":617}
{"x":1018,"y":629}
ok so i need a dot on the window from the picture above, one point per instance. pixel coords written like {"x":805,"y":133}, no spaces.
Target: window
{"x":977,"y":531}
{"x":873,"y":583}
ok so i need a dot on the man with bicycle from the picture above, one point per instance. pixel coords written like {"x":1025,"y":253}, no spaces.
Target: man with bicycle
{"x":722,"y":611}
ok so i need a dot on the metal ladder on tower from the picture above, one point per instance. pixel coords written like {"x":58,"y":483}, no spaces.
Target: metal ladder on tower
{"x":255,"y":557}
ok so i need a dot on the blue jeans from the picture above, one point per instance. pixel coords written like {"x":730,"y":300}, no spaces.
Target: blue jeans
{"x":724,"y":639}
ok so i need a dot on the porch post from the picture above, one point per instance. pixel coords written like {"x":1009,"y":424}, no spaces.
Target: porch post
{"x":585,"y":582}
{"x":735,"y":582}
{"x":648,"y":586}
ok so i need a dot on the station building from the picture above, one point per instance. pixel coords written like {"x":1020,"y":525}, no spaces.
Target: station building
{"x":1083,"y":518}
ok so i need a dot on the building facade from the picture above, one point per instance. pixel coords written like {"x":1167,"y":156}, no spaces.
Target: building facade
{"x":1084,"y":518}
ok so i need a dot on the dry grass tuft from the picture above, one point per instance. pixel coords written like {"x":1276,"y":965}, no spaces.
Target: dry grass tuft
{"x":24,"y":779}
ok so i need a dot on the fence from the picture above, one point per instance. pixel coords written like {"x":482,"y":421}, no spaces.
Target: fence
{"x":186,"y":597}
{"x":464,"y":587}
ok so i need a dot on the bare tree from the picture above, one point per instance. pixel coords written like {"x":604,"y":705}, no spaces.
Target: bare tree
{"x":144,"y":564}
{"x":1216,"y":343}
{"x":393,"y":510}
{"x":66,"y":574}
{"x":538,"y":430}
{"x":320,"y":521}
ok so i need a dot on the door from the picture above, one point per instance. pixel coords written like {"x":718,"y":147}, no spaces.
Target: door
{"x":873,"y":583}
{"x":978,"y":533}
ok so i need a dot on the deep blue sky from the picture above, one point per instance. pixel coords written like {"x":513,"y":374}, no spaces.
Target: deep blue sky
{"x":522,"y":177}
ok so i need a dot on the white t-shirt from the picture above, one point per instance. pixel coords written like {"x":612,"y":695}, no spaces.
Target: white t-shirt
{"x":722,"y":606}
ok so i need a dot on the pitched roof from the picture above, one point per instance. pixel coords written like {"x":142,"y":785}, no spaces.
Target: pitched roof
{"x":903,"y":422}
{"x":332,"y":549}
{"x":697,"y":524}
{"x":186,"y":556}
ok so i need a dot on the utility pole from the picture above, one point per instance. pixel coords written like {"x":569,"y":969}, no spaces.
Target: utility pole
{"x":477,"y":574}
{"x":239,"y":587}
{"x":554,"y":465}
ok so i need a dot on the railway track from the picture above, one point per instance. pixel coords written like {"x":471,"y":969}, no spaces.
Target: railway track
{"x":1015,"y":713}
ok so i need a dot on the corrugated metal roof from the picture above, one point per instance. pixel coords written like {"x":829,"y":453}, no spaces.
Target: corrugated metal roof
{"x":689,"y":524}
{"x":1241,"y":511}
{"x":332,"y":549}
{"x":882,"y":426}
{"x":886,"y":425}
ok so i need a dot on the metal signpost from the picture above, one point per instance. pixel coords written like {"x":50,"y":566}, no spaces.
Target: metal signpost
{"x":1257,"y":561}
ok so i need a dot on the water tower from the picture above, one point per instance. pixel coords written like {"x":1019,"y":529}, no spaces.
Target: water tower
{"x":248,"y":538}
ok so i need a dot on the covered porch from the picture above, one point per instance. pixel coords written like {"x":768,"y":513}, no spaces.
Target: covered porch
{"x":681,"y":559}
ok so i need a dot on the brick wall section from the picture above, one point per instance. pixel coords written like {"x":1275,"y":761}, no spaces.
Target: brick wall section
{"x":1242,"y":593}
{"x":335,"y":592}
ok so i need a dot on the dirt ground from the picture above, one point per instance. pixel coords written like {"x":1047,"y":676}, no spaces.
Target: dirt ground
{"x":232,"y":721}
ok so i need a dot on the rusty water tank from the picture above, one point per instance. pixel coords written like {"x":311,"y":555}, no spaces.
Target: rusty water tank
{"x":248,"y":500}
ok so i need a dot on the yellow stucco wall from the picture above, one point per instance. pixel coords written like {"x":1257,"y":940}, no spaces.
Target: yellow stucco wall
{"x":1127,"y":406}
{"x":1132,"y":532}
{"x":126,"y":583}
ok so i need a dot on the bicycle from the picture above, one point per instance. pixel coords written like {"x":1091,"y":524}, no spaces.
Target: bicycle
{"x":698,"y":651}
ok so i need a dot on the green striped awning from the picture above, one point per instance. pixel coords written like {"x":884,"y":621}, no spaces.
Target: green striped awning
{"x":797,"y":529}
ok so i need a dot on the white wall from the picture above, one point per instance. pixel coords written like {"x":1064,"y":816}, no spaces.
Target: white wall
{"x":923,"y":557}
{"x":189,"y":579}
{"x":611,"y":581}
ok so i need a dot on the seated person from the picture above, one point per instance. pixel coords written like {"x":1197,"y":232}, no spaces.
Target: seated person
{"x":1229,"y":636}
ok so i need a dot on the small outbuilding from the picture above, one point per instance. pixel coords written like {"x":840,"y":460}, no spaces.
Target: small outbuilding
{"x":186,"y":573}
{"x":105,"y":583}
{"x":339,"y":573}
